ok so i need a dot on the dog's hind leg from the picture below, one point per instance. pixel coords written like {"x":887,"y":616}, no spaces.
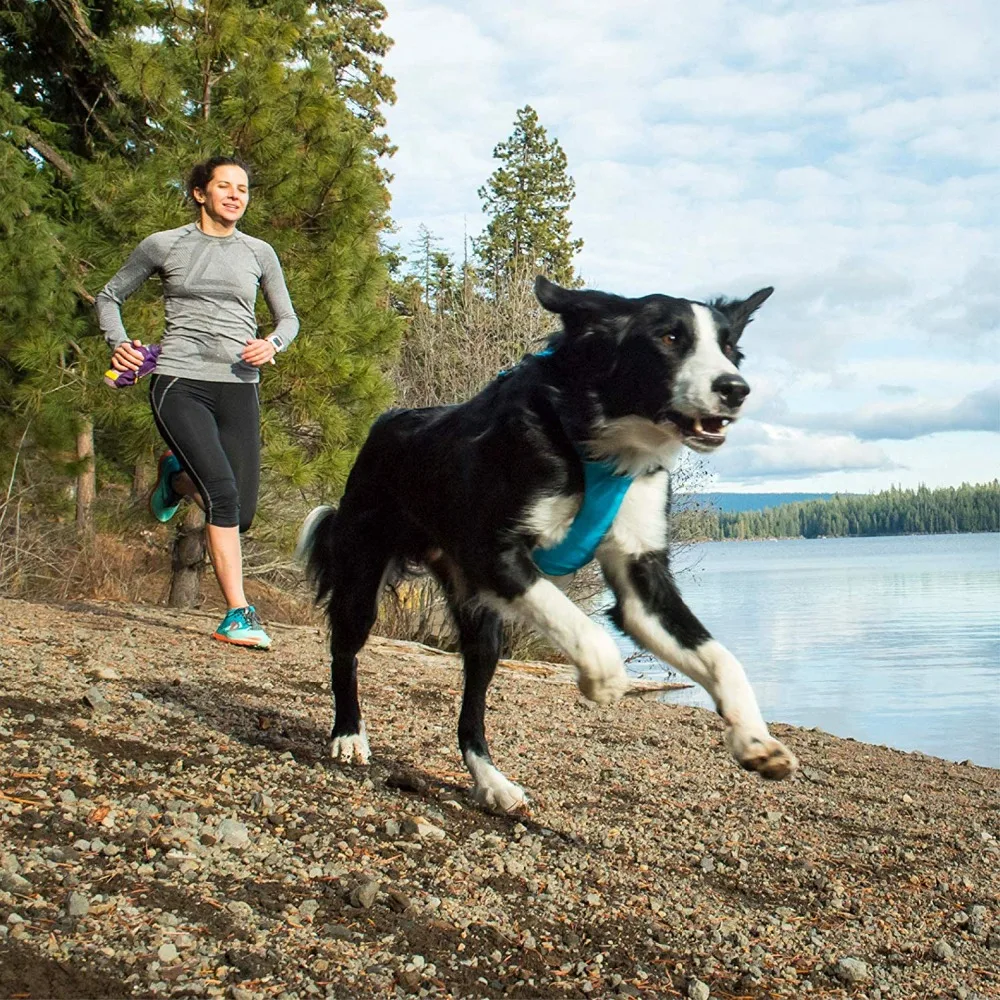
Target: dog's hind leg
{"x":352,"y":610}
{"x":480,"y":633}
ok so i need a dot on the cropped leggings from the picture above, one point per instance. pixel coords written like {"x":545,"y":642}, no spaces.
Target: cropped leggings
{"x":213,"y":428}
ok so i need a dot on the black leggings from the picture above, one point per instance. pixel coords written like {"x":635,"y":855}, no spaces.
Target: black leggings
{"x":214,"y":430}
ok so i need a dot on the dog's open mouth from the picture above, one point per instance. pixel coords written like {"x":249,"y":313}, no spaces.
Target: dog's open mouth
{"x":701,"y":433}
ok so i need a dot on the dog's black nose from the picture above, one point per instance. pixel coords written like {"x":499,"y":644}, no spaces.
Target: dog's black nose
{"x":732,"y":389}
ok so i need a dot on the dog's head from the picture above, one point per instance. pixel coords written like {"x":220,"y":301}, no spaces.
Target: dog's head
{"x":660,"y":369}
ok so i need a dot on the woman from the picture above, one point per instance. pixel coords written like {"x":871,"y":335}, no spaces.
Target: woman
{"x":204,"y":391}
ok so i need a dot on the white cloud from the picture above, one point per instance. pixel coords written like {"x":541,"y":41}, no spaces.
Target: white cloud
{"x":977,"y":411}
{"x":761,"y":451}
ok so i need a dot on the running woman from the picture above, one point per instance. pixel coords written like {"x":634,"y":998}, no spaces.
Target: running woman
{"x":204,"y":393}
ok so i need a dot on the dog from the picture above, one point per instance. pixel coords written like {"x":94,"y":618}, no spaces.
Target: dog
{"x":476,"y":492}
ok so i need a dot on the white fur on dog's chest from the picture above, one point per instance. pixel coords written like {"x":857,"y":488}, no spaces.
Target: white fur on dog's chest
{"x":550,"y":518}
{"x":641,"y":523}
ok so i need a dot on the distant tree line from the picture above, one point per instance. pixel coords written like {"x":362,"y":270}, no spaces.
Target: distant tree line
{"x":896,"y":511}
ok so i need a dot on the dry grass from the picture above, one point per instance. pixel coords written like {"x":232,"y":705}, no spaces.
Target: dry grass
{"x":450,"y":355}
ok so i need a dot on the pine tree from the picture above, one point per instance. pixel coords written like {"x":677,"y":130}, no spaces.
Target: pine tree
{"x":527,"y":200}
{"x":99,"y":169}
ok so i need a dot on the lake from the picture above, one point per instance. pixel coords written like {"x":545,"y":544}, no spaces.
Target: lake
{"x":894,"y":641}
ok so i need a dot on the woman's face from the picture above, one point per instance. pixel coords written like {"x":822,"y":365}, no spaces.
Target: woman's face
{"x":224,"y":199}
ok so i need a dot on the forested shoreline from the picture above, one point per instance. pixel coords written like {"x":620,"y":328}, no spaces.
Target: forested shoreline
{"x":896,"y":511}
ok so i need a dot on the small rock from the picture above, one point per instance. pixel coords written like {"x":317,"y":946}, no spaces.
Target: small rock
{"x":78,"y":905}
{"x":697,"y":990}
{"x":942,"y":951}
{"x":262,"y":803}
{"x":424,"y":830}
{"x":398,"y":901}
{"x":17,"y":884}
{"x":365,"y":895}
{"x":96,"y":700}
{"x":232,"y":833}
{"x":852,"y":970}
{"x":167,"y":952}
{"x":407,"y":781}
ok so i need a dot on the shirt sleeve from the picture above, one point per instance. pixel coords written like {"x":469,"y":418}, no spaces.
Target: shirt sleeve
{"x":272,"y":284}
{"x":141,"y":264}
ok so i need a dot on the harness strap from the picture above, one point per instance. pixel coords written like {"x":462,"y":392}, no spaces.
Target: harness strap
{"x":603,"y":493}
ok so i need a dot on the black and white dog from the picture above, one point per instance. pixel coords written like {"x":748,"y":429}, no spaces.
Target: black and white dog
{"x":472,"y":491}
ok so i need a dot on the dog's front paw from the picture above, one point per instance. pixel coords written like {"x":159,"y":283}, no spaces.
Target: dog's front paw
{"x":351,"y":748}
{"x":501,"y":795}
{"x":769,"y":757}
{"x":604,"y":689}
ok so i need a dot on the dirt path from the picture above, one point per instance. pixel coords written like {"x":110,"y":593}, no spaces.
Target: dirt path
{"x":185,"y":836}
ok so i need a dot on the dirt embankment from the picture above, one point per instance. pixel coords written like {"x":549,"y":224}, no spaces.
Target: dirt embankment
{"x":180,"y":833}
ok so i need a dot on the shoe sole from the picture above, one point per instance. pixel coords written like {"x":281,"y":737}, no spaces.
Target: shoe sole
{"x":245,"y":643}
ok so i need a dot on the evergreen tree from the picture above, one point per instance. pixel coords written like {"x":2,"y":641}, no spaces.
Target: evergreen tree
{"x":527,"y":200}
{"x":103,"y":110}
{"x":969,"y":508}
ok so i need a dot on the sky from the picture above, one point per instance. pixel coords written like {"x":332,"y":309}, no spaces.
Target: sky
{"x":844,"y":152}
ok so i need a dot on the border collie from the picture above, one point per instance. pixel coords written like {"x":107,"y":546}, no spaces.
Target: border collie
{"x":474,"y":491}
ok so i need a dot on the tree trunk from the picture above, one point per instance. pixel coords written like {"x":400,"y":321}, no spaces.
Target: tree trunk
{"x":188,"y":560}
{"x":86,"y":477}
{"x":142,"y":478}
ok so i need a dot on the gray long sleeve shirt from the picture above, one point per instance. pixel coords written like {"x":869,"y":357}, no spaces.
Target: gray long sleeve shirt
{"x":209,"y":289}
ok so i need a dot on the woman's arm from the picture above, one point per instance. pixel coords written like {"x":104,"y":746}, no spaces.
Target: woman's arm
{"x":140,"y":265}
{"x":272,"y":284}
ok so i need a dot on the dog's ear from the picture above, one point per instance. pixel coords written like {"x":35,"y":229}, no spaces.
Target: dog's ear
{"x":577,"y":303}
{"x":554,"y":297}
{"x":740,"y":312}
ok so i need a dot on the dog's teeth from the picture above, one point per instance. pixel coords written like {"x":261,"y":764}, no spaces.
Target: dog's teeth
{"x":696,"y":424}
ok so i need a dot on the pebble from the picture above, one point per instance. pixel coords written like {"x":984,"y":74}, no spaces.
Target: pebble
{"x":942,"y":950}
{"x":232,"y":833}
{"x":852,"y":970}
{"x":366,"y":894}
{"x":94,"y":697}
{"x":167,"y":952}
{"x":78,"y":905}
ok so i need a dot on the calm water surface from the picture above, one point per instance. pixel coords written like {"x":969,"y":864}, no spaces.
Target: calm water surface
{"x":893,"y":641}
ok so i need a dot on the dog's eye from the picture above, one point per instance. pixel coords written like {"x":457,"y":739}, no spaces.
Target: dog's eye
{"x":671,"y":337}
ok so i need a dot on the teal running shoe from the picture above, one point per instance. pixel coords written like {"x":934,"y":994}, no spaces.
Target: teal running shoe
{"x":243,"y":627}
{"x":164,"y":500}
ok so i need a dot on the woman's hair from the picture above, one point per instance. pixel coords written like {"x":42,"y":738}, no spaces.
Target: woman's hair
{"x":201,"y":173}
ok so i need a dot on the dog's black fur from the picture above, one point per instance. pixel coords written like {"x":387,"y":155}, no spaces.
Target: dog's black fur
{"x":470,"y":490}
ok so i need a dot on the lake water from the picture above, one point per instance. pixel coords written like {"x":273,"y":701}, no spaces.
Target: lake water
{"x":894,"y":641}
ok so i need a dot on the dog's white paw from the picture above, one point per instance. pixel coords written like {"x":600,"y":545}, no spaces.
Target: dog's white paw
{"x":501,"y":796}
{"x":769,"y":757}
{"x":492,"y":789}
{"x":351,"y":749}
{"x":604,"y":689}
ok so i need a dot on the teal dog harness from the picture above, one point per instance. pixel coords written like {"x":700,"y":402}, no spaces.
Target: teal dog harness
{"x":603,"y":493}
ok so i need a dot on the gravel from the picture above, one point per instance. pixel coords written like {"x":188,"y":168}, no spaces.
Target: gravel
{"x":197,"y":842}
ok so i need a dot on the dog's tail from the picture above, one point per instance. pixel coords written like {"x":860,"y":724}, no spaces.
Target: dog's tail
{"x":315,"y":549}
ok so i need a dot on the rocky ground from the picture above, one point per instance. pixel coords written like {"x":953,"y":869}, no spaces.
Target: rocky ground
{"x":169,"y":826}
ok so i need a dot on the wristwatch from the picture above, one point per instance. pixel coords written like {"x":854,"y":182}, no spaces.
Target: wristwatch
{"x":277,"y":342}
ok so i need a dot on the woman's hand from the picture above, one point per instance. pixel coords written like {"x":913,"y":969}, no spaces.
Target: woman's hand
{"x":258,"y":351}
{"x":125,"y":357}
